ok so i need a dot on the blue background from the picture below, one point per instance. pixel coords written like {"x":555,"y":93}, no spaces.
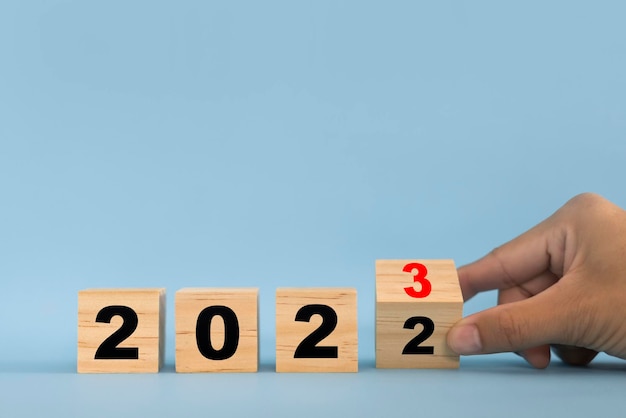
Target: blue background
{"x":281,"y":143}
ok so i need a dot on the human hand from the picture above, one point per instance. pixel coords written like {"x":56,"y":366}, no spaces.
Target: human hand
{"x":562,"y":283}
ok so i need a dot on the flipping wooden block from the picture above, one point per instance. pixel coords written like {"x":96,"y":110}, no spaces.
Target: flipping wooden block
{"x":316,"y":330}
{"x":121,"y":330}
{"x":417,"y":302}
{"x":217,"y":330}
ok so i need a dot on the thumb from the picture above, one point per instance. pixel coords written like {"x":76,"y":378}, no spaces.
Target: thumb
{"x":516,"y":326}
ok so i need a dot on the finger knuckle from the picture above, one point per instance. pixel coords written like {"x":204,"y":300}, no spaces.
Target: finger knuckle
{"x":586,"y":199}
{"x":583,"y":210}
{"x":589,"y":203}
{"x":496,"y":254}
{"x":511,"y":330}
{"x":581,"y":329}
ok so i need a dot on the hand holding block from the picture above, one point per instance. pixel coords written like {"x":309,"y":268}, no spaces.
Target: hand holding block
{"x":417,"y":302}
{"x":121,"y":330}
{"x":316,"y":330}
{"x":217,"y":330}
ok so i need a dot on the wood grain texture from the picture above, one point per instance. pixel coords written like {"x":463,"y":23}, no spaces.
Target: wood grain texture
{"x":148,"y":337}
{"x":190,"y":302}
{"x":290,"y":333}
{"x":444,"y":306}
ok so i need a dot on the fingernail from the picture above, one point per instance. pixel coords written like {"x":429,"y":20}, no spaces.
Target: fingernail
{"x":465,"y":339}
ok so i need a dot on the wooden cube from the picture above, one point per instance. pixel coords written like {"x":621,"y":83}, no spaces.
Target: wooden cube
{"x":121,"y":330}
{"x":417,"y":302}
{"x":217,"y":330}
{"x":316,"y":330}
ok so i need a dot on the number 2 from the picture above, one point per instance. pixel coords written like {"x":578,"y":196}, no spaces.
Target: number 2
{"x":109,"y":349}
{"x":308,"y":348}
{"x":420,"y":278}
{"x":413,"y":346}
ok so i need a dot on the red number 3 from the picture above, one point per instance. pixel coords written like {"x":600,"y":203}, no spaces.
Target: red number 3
{"x":420,"y":278}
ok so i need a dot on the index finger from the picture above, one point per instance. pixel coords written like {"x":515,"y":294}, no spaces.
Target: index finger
{"x":511,"y":264}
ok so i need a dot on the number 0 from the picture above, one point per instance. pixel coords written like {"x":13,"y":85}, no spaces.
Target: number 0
{"x":231,"y":333}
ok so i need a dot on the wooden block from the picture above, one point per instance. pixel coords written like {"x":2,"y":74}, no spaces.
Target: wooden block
{"x":417,"y":302}
{"x":316,"y":330}
{"x":217,"y":330}
{"x":121,"y":330}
